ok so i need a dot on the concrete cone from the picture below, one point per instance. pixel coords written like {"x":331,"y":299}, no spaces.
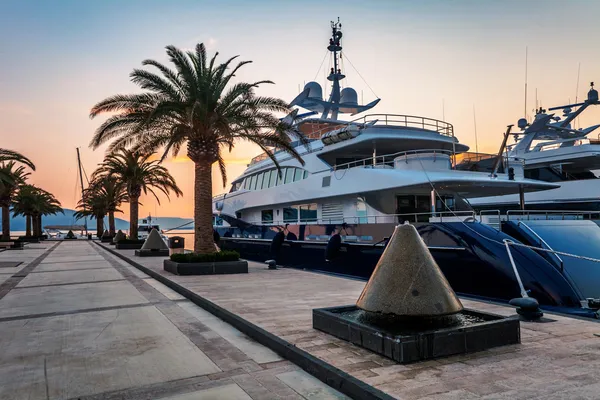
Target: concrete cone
{"x":119,"y":236}
{"x":407,"y":281}
{"x":154,"y":242}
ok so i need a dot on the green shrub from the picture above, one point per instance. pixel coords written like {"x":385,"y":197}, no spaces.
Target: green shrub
{"x":225,"y":255}
{"x":70,"y":235}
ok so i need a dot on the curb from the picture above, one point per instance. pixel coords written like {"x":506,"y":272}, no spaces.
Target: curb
{"x":332,"y":376}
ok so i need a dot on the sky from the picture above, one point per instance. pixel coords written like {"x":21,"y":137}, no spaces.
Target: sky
{"x":461,"y":60}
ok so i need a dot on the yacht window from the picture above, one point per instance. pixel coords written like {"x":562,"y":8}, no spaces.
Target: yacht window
{"x":266,"y":216}
{"x":238,"y":215}
{"x":297,"y":174}
{"x":217,"y":220}
{"x":272,"y":177}
{"x":308,"y":212}
{"x":246,"y":183}
{"x":305,"y":175}
{"x":290,"y":214}
{"x":252,"y":182}
{"x":280,"y":178}
{"x":259,"y":181}
{"x":289,"y":175}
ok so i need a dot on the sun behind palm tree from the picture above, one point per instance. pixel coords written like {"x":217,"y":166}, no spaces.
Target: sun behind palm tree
{"x":195,"y":104}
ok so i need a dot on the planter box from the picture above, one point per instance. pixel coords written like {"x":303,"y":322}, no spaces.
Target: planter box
{"x":106,"y":239}
{"x":493,"y":330}
{"x":129,"y":246}
{"x":12,"y":245}
{"x":208,"y":268}
{"x":152,"y":253}
{"x":29,"y":239}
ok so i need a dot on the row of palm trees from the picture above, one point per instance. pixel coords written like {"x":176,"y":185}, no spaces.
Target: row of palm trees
{"x":196,"y":104}
{"x":24,"y":199}
{"x":122,"y":178}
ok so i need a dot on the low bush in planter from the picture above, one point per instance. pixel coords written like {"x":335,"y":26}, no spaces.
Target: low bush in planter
{"x":221,"y":256}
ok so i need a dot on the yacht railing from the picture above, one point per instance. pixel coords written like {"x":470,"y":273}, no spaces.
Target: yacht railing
{"x":550,"y":214}
{"x":409,"y":121}
{"x":374,"y":219}
{"x":388,"y":159}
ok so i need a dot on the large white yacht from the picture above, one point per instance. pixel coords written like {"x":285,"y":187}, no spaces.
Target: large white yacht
{"x":378,"y":168}
{"x":552,"y":150}
{"x":363,"y":176}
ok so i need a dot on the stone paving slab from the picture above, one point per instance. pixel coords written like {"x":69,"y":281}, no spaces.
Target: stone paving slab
{"x":127,"y":339}
{"x":94,"y":352}
{"x":46,"y":267}
{"x":557,"y":359}
{"x":53,"y":299}
{"x":70,"y":277}
{"x":230,"y":392}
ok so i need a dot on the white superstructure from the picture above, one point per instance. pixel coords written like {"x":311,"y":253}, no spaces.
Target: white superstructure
{"x":552,"y":150}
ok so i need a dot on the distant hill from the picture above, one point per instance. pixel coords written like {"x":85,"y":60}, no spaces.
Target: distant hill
{"x":18,"y":223}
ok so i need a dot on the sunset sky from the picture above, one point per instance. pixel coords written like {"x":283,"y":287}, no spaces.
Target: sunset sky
{"x":58,"y":58}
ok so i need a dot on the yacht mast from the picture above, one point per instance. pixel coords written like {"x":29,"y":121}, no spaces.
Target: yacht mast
{"x":335,"y":74}
{"x":82,"y":190}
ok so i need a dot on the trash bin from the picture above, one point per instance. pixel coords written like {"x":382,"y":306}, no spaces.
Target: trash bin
{"x":176,"y":245}
{"x":89,"y":236}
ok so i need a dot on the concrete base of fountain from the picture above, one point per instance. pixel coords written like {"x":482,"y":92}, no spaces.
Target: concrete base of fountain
{"x":408,"y":340}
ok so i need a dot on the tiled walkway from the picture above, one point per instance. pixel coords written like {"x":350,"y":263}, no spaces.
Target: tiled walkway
{"x":78,"y":323}
{"x":556,"y":360}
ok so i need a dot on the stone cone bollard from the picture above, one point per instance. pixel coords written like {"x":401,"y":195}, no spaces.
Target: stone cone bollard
{"x":154,"y":242}
{"x":119,"y":236}
{"x":407,"y":281}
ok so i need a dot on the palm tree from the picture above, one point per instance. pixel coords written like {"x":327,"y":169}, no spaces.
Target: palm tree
{"x":115,"y":193}
{"x":94,"y":204}
{"x":138,"y":174}
{"x":33,"y":202}
{"x":47,"y":205}
{"x":195,"y":104}
{"x":11,"y":177}
{"x":9,"y":155}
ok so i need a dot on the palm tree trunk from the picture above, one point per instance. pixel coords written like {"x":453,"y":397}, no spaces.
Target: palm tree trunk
{"x":5,"y":222}
{"x":133,"y":216}
{"x":34,"y":225}
{"x":203,"y":217}
{"x":28,"y":225}
{"x":111,"y":223}
{"x":39,"y":224}
{"x":99,"y":225}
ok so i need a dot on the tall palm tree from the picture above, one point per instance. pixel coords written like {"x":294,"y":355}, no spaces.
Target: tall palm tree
{"x":114,"y":192}
{"x":195,"y":104}
{"x":9,"y":155}
{"x":139,"y":175}
{"x":94,"y":204}
{"x":11,"y":177}
{"x":33,"y":203}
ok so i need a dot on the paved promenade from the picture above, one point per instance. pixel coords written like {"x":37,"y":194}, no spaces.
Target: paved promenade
{"x":78,"y":323}
{"x":559,"y":359}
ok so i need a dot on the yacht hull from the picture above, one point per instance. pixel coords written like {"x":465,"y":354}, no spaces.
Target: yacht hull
{"x":471,"y":257}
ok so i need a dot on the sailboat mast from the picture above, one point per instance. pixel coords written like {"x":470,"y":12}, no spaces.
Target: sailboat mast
{"x":81,"y":181}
